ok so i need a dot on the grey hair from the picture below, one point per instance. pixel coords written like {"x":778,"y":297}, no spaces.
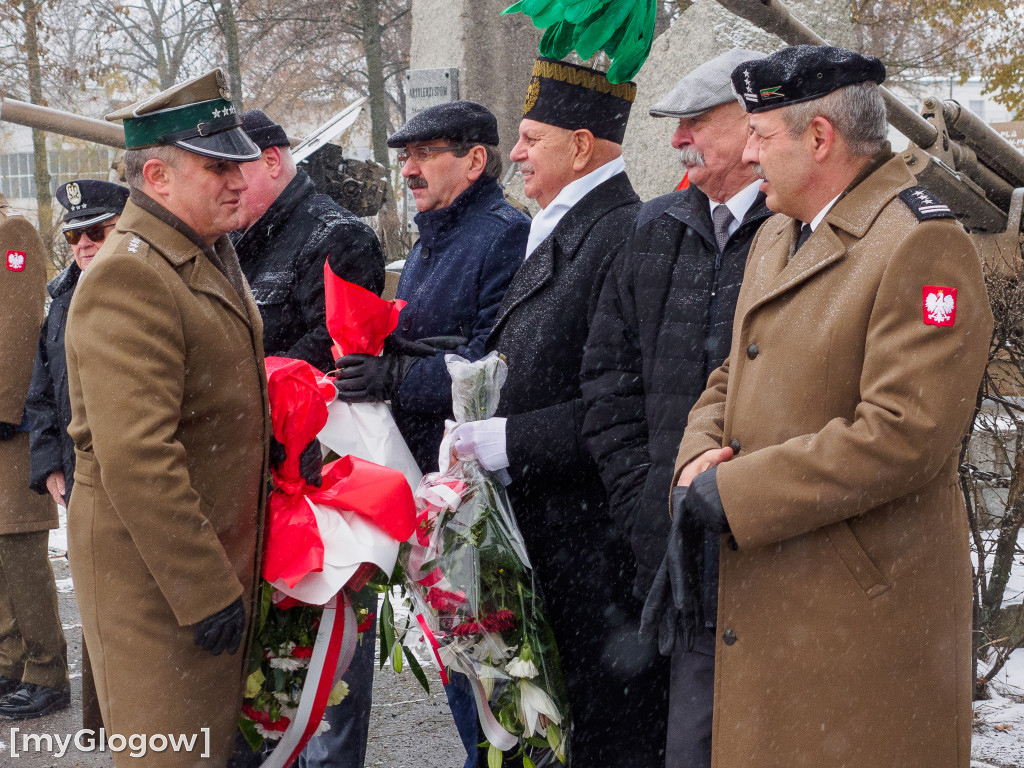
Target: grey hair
{"x":857,"y":112}
{"x":493,"y":166}
{"x":135,"y":159}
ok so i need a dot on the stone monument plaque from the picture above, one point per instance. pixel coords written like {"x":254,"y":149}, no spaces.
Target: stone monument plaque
{"x":429,"y":87}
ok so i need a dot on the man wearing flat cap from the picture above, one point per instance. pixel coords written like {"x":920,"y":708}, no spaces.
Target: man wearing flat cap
{"x":824,"y":451}
{"x":288,"y":231}
{"x":92,"y":208}
{"x":471,"y":244}
{"x":663,"y":323}
{"x":170,"y":424}
{"x":570,"y":155}
{"x":33,"y":653}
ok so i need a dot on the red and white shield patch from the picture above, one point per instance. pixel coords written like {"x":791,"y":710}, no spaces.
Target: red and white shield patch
{"x":16,"y":261}
{"x":939,"y":305}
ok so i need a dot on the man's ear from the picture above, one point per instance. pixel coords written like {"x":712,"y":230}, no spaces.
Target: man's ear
{"x":583,"y":144}
{"x":158,"y":175}
{"x":477,"y":163}
{"x":822,"y":137}
{"x":272,"y":159}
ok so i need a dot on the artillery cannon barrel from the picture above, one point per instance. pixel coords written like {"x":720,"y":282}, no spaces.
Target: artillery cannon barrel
{"x":773,"y":16}
{"x":992,"y":149}
{"x":64,"y":123}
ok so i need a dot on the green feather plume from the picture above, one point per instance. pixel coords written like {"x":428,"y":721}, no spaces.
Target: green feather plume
{"x":624,"y":29}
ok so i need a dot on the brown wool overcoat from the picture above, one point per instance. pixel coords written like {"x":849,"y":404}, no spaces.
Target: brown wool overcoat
{"x":844,"y":618}
{"x":22,"y":294}
{"x":170,"y":419}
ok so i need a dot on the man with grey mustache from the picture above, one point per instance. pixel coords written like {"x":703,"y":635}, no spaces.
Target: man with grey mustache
{"x":663,"y":323}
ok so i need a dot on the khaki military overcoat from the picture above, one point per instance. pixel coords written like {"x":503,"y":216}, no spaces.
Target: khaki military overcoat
{"x":169,"y":418}
{"x":844,"y":617}
{"x":22,"y":296}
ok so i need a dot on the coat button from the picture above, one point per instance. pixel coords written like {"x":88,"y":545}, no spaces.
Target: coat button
{"x":752,"y":351}
{"x":732,"y":543}
{"x":407,"y":323}
{"x":735,"y":445}
{"x":729,"y":637}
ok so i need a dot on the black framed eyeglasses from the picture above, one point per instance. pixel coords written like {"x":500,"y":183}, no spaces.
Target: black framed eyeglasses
{"x":97,"y":233}
{"x":422,"y":154}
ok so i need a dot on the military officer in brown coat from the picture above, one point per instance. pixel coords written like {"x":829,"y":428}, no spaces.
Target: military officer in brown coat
{"x":169,"y":419}
{"x":825,"y":449}
{"x":33,"y":654}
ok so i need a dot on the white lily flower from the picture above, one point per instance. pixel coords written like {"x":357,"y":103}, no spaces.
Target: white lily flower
{"x":534,"y":702}
{"x":519,"y":668}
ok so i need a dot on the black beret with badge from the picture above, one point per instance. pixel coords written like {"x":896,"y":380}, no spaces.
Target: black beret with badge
{"x":196,"y":116}
{"x":465,"y":122}
{"x":575,"y":98}
{"x":802,"y":73}
{"x":90,"y":201}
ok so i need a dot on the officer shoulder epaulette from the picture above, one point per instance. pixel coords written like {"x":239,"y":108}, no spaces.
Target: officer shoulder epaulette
{"x":924,"y":204}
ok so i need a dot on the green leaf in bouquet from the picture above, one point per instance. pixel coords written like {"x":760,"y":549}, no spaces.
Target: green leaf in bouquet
{"x":396,"y":657}
{"x":387,"y":629}
{"x":537,"y":742}
{"x":252,"y":737}
{"x":417,"y":669}
{"x":527,"y":762}
{"x":279,"y":681}
{"x":494,"y":756}
{"x":254,"y":683}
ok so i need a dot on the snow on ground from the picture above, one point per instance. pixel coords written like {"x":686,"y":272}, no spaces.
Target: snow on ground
{"x":999,"y":722}
{"x":59,"y":536}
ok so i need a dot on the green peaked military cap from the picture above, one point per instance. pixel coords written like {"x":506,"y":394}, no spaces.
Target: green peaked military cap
{"x":196,"y":116}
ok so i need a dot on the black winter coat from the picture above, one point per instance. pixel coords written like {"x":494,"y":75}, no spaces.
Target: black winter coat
{"x":48,"y":405}
{"x":663,"y":324}
{"x":582,"y":561}
{"x":454,"y":279}
{"x":282,"y":256}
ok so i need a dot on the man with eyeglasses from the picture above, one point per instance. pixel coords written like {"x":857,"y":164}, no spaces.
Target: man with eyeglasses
{"x":471,"y":244}
{"x":92,"y":208}
{"x":33,"y":653}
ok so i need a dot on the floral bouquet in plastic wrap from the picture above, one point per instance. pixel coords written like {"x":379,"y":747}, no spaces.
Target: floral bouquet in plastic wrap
{"x":473,"y":588}
{"x":321,"y":543}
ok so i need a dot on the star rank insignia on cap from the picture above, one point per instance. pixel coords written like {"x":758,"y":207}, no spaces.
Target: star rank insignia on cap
{"x":16,"y":261}
{"x":924,"y":204}
{"x":938,"y":304}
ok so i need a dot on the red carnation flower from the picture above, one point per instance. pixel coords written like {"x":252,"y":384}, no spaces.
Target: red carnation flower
{"x":366,"y":624}
{"x":442,"y":600}
{"x":302,"y":652}
{"x":467,"y":628}
{"x":499,"y":621}
{"x":263,"y":718}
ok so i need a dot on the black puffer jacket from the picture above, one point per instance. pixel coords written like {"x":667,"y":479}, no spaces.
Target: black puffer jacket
{"x":283,"y":255}
{"x":663,"y":323}
{"x":48,"y":405}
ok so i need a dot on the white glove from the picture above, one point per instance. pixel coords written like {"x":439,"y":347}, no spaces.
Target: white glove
{"x":484,"y":440}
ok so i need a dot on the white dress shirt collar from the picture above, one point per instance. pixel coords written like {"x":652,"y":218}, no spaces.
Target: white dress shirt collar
{"x":738,"y":204}
{"x":545,"y":221}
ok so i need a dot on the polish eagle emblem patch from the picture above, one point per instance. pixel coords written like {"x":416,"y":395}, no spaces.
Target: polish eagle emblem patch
{"x":16,"y":261}
{"x":939,"y":305}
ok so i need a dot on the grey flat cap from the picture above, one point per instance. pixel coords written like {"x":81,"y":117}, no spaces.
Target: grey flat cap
{"x":705,"y":87}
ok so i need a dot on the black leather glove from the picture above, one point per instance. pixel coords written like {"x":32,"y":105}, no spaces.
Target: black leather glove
{"x":672,"y":611}
{"x":222,"y":631}
{"x":8,"y":430}
{"x":367,"y":378}
{"x":311,"y":463}
{"x":704,"y":504}
{"x":311,"y":460}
